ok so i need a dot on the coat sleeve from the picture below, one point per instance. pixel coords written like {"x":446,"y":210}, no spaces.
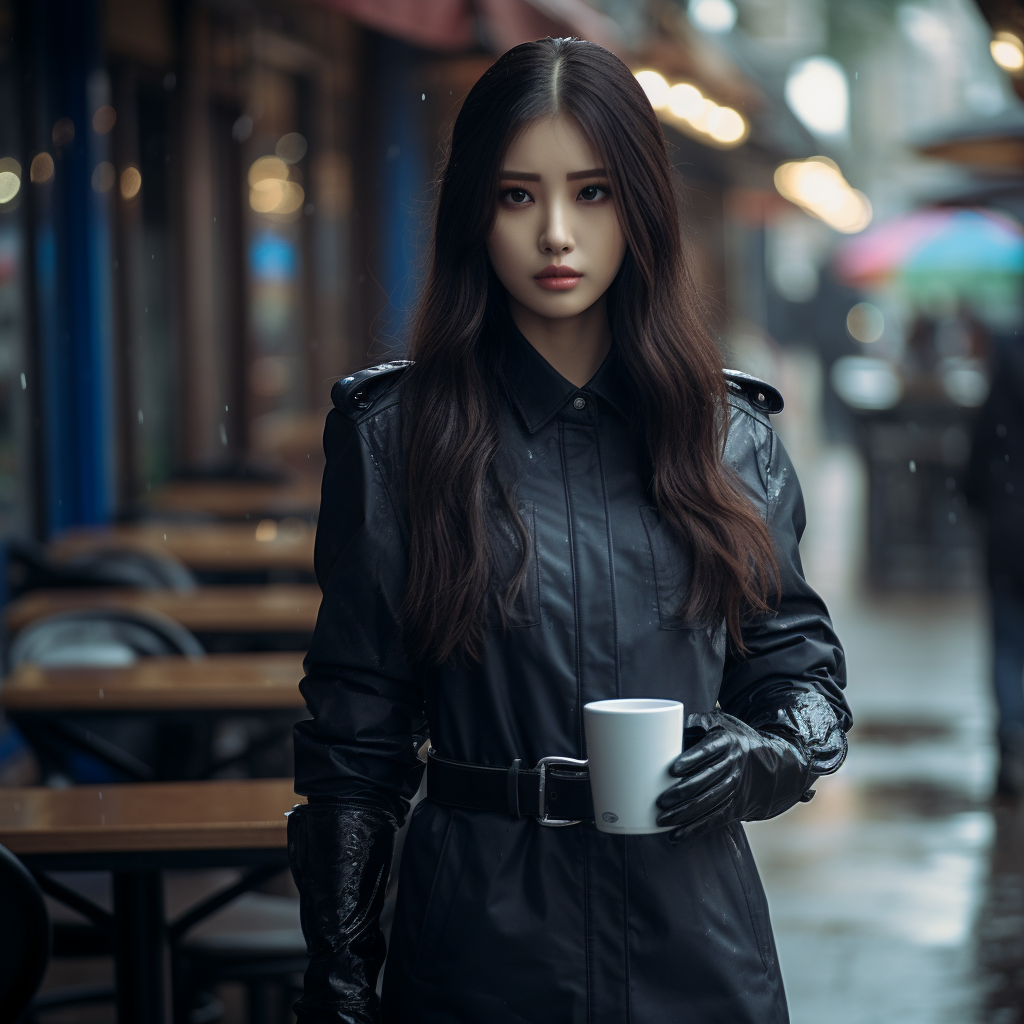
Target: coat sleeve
{"x":365,"y":698}
{"x":792,"y":676}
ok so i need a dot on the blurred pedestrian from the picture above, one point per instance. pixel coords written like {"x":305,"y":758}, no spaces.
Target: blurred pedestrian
{"x":995,"y":486}
{"x":562,"y":499}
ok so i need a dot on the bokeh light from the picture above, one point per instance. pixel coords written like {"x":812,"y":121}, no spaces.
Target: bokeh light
{"x":686,"y":107}
{"x":41,"y":168}
{"x":271,"y":195}
{"x":964,"y":381}
{"x":291,"y":148}
{"x":1007,"y":51}
{"x":714,"y":16}
{"x":270,"y":190}
{"x":267,"y":167}
{"x":103,"y":177}
{"x":9,"y":185}
{"x":686,"y":101}
{"x":266,"y":530}
{"x":103,"y":120}
{"x":818,"y":93}
{"x":10,"y":179}
{"x":242,"y":128}
{"x":865,"y":322}
{"x":655,"y":86}
{"x":864,"y":383}
{"x":63,"y":133}
{"x":725,"y":125}
{"x":817,"y":186}
{"x":131,"y":182}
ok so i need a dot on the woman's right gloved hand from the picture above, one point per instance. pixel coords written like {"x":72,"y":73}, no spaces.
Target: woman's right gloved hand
{"x":340,"y":856}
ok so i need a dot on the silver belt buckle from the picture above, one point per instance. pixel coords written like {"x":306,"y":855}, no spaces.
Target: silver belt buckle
{"x":542,"y":766}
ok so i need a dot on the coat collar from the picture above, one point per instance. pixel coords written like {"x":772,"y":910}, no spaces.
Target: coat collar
{"x":538,"y":391}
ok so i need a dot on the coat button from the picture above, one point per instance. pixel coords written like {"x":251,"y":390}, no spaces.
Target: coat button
{"x":579,"y":402}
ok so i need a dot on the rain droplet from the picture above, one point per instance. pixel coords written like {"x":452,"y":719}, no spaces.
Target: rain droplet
{"x":913,"y":466}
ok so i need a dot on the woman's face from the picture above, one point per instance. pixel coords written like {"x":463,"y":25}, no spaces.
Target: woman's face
{"x":556,"y":244}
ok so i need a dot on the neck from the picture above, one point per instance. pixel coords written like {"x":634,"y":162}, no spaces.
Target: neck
{"x":575,"y":346}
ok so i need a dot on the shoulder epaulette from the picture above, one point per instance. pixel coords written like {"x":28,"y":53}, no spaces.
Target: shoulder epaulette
{"x":355,"y":393}
{"x":760,"y":395}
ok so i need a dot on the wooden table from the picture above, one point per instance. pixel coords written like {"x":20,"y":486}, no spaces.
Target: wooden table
{"x":54,"y":708}
{"x":238,"y":499}
{"x":218,"y":682}
{"x":157,"y":818}
{"x":205,"y":547}
{"x":273,"y":608}
{"x":136,"y":832}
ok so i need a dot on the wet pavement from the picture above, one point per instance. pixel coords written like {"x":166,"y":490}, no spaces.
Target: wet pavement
{"x":897,"y":894}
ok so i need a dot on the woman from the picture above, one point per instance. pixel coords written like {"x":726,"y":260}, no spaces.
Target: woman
{"x":561,"y":499}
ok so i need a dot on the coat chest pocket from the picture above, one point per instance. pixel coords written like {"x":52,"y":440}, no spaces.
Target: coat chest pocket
{"x":526,"y":610}
{"x":673,"y":569}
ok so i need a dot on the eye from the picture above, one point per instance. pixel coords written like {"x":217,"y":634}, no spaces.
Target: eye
{"x":592,"y":193}
{"x":516,"y":196}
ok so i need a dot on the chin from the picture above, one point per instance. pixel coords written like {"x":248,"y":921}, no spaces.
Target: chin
{"x":556,"y":307}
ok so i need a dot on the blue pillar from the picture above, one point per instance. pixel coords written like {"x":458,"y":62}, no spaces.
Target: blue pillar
{"x":73,"y":265}
{"x":404,"y":192}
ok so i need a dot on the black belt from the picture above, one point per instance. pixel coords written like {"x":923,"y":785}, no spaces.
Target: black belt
{"x":556,"y":791}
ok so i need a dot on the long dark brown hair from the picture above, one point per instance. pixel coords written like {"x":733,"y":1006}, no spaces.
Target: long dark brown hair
{"x":456,"y":495}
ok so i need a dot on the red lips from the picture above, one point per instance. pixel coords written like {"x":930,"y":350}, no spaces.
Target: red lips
{"x":557,"y":271}
{"x":558,"y":278}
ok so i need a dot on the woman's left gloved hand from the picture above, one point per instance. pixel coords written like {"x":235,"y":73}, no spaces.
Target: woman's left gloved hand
{"x":739,"y":771}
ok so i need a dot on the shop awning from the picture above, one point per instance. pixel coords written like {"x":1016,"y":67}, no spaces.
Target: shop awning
{"x":449,"y":25}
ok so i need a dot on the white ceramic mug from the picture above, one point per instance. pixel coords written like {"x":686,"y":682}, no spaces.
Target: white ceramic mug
{"x":630,"y":745}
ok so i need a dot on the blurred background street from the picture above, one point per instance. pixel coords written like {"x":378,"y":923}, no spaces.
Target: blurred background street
{"x":896,"y":893}
{"x":211,"y":210}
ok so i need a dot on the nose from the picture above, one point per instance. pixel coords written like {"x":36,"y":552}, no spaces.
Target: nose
{"x":556,"y":235}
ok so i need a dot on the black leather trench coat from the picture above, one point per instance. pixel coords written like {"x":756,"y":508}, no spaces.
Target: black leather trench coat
{"x":503,"y":920}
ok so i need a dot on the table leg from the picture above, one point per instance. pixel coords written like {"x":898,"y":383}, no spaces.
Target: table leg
{"x":140,"y":948}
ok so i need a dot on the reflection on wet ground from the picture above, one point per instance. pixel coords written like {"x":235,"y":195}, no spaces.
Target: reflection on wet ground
{"x":898,"y":733}
{"x":897,"y":894}
{"x":1000,"y":925}
{"x":917,"y":799}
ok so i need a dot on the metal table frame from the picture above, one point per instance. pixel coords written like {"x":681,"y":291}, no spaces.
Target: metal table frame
{"x":142,"y":938}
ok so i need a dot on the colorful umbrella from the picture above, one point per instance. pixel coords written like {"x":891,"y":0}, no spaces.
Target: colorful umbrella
{"x":943,"y":242}
{"x":941,"y":259}
{"x":874,"y":255}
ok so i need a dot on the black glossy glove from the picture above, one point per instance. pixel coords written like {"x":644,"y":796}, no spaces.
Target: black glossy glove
{"x":739,"y":771}
{"x":340,"y":856}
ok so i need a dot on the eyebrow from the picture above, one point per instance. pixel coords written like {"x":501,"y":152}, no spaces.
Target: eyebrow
{"x":596,"y":172}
